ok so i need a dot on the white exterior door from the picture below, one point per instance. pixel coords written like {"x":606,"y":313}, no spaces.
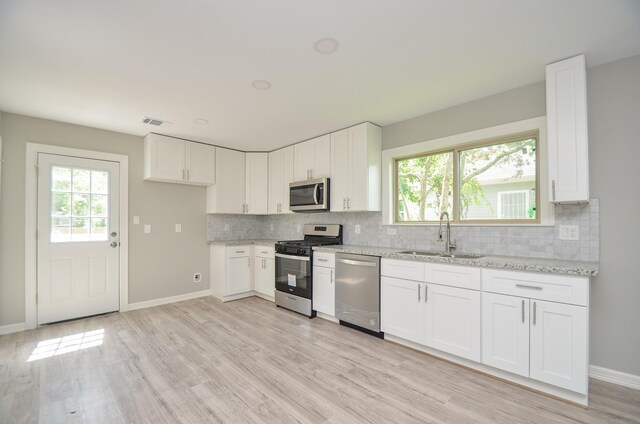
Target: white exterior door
{"x":452,"y":320}
{"x":559,"y":344}
{"x":505,"y":333}
{"x":78,"y":237}
{"x":402,"y":308}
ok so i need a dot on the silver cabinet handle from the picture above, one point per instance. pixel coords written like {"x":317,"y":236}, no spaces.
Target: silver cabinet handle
{"x":332,"y":277}
{"x":522,"y":310}
{"x":357,"y":263}
{"x":183,"y":175}
{"x":241,"y":251}
{"x":553,"y":190}
{"x":426,"y":293}
{"x":247,"y":208}
{"x":323,"y":260}
{"x":249,"y":262}
{"x":311,"y":172}
{"x":344,"y":204}
{"x":348,"y":203}
{"x":419,"y":291}
{"x":526,"y":286}
{"x":188,"y":176}
{"x":534,"y":313}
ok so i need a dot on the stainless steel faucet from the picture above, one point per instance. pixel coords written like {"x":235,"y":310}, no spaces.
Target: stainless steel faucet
{"x":448,"y":246}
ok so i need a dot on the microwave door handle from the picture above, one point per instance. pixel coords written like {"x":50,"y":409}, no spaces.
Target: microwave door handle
{"x":315,"y":194}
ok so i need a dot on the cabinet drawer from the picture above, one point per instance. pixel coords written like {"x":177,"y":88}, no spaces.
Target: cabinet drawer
{"x":266,"y":252}
{"x":465,"y":277}
{"x":406,"y":270}
{"x":238,"y":251}
{"x":324,"y":259}
{"x":556,"y":288}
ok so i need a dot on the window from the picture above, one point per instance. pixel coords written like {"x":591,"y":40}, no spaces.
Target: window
{"x":79,"y":204}
{"x":492,"y":181}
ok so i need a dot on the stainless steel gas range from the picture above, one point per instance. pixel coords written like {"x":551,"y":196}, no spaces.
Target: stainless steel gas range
{"x":294,"y":265}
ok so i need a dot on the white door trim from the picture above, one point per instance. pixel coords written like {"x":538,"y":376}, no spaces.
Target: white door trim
{"x":31,"y":216}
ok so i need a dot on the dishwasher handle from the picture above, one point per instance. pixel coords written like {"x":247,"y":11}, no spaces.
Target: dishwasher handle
{"x":356,"y":263}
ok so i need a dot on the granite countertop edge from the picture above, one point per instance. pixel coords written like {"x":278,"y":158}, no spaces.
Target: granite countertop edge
{"x":243,"y":242}
{"x":555,"y":266}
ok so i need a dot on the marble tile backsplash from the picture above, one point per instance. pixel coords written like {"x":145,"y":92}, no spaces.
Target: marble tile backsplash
{"x":543,"y":242}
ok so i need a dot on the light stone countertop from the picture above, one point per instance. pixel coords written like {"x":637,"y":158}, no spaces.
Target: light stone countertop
{"x":244,"y":242}
{"x":588,"y":269}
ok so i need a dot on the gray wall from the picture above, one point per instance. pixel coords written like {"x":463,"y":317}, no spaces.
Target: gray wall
{"x":613,"y":96}
{"x":161,"y":264}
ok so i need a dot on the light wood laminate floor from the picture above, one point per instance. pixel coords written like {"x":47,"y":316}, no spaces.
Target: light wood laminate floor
{"x":202,"y":361}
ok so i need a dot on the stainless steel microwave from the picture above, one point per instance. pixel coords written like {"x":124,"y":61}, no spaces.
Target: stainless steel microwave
{"x":309,"y":195}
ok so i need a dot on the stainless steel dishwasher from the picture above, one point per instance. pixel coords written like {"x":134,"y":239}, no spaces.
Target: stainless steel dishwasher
{"x":358,"y":292}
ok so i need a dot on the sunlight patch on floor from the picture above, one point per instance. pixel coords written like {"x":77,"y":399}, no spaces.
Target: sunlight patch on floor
{"x":61,"y":345}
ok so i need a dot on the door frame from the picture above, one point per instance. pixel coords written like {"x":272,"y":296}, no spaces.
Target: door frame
{"x":31,"y":217}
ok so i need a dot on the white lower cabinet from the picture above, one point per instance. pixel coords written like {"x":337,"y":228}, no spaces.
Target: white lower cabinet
{"x":452,"y":320}
{"x":546,"y":341}
{"x":264,"y":271}
{"x":324,"y":283}
{"x":401,"y":308}
{"x":238,"y":275}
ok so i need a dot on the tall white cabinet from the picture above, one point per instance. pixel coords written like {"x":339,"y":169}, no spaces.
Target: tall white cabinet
{"x":356,"y":176}
{"x":280,"y":175}
{"x":256,"y":183}
{"x":567,"y":137}
{"x":312,"y":158}
{"x":227,"y":195}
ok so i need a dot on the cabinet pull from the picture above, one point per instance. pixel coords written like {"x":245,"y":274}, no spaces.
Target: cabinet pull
{"x":264,"y":264}
{"x":426,"y":293}
{"x":311,"y":172}
{"x":183,"y":175}
{"x":553,"y":190}
{"x":344,"y":203}
{"x":348,"y":203}
{"x":526,"y":286}
{"x":332,"y":277}
{"x":249,"y":262}
{"x":523,"y":311}
{"x":534,"y":313}
{"x":419,"y":292}
{"x":188,"y":176}
{"x":322,"y":260}
{"x":240,"y":251}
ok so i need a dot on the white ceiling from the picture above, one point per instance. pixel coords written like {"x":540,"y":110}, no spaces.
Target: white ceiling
{"x":108,"y":64}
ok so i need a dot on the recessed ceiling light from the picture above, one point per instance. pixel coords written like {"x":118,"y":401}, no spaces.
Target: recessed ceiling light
{"x":201,"y":121}
{"x":326,"y":45}
{"x":261,"y":85}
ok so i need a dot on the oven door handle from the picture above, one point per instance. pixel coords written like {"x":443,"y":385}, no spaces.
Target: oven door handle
{"x":297,"y":258}
{"x":315,"y":194}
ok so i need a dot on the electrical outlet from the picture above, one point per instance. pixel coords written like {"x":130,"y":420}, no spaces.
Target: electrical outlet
{"x":147,"y":228}
{"x":271,"y":227}
{"x":357,"y":228}
{"x":136,"y":220}
{"x":178,"y":228}
{"x":226,"y":227}
{"x":392,"y":231}
{"x":197,"y":277}
{"x":569,"y":232}
{"x":298,"y":229}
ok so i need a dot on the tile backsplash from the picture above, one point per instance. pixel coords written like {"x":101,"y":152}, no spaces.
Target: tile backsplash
{"x":543,"y":242}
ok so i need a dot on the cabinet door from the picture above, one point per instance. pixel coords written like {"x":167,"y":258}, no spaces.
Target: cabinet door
{"x":287,"y":177}
{"x":200,"y":163}
{"x":401,"y":308}
{"x":238,"y":275}
{"x":322,"y":157}
{"x":256,"y":180}
{"x":165,"y":157}
{"x":339,"y":170}
{"x":505,"y":333}
{"x":276,"y":192}
{"x":324,"y":293}
{"x":269,"y":277}
{"x":358,"y":168}
{"x":567,"y":130}
{"x":452,"y":320}
{"x":559,"y":345}
{"x":227,"y":194}
{"x":304,"y":154}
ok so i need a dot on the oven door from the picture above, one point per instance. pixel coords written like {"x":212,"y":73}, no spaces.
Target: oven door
{"x":293,"y":274}
{"x":311,"y":195}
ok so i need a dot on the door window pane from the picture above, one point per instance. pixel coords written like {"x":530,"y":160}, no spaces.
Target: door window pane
{"x":79,"y":205}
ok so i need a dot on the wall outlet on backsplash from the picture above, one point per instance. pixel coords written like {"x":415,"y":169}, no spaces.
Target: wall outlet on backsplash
{"x":298,"y":229}
{"x":226,"y":227}
{"x":569,"y":232}
{"x":357,"y":229}
{"x":392,"y":231}
{"x":271,"y":227}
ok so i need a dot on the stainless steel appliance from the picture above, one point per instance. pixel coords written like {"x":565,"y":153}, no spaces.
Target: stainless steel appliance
{"x":358,"y":292}
{"x":309,"y":195}
{"x":294,"y":261}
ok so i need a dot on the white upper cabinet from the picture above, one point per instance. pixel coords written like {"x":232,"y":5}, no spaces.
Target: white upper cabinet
{"x":313,"y":158}
{"x":256,"y":183}
{"x":280,"y":175}
{"x":174,"y":160}
{"x":227,"y":194}
{"x":567,"y":131}
{"x":356,"y":162}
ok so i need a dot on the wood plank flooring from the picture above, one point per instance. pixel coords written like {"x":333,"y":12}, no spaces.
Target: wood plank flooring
{"x":202,"y":361}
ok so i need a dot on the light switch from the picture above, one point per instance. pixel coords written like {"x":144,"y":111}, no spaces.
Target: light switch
{"x":136,"y":220}
{"x":357,"y":228}
{"x":178,"y":228}
{"x":147,"y":228}
{"x":226,"y":227}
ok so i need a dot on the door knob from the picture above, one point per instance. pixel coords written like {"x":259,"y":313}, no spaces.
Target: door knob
{"x":113,"y":234}
{"x":114,"y":244}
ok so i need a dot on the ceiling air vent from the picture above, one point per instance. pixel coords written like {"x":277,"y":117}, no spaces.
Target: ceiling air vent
{"x":154,"y":121}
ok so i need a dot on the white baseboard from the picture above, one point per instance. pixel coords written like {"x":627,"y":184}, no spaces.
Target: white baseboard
{"x":615,"y":377}
{"x":171,"y":299}
{"x":12,"y":328}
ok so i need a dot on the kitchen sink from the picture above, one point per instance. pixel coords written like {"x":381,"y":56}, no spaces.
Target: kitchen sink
{"x":441,"y":254}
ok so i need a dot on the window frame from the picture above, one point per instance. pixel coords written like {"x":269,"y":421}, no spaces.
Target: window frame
{"x":530,"y":128}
